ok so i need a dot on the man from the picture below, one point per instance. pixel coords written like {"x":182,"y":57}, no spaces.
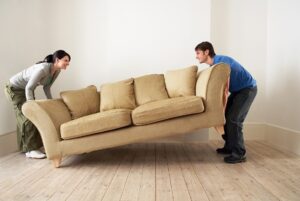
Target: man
{"x":243,"y":89}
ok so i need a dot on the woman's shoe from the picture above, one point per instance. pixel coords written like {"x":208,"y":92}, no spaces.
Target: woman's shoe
{"x":35,"y":154}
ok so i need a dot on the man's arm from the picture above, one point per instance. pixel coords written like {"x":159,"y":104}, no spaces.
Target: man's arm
{"x":226,"y":94}
{"x":220,"y":129}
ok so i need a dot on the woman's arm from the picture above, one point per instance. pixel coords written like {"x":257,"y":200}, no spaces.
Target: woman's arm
{"x":32,"y":84}
{"x":47,"y":91}
{"x":47,"y":88}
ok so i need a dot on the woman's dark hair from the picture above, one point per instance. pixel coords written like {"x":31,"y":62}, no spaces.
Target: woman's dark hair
{"x":206,"y":46}
{"x":59,"y":54}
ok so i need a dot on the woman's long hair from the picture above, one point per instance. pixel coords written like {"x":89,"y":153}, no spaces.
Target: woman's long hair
{"x":59,"y":54}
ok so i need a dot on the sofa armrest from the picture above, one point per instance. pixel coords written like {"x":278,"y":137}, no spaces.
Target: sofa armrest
{"x":211,"y":85}
{"x":47,"y":116}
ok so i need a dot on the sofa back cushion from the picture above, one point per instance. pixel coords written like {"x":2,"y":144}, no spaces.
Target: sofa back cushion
{"x":181,"y":82}
{"x":82,"y":102}
{"x":150,"y":88}
{"x":118,"y":95}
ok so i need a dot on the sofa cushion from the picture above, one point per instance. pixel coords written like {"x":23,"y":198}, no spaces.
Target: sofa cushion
{"x":167,"y":109}
{"x":96,"y":123}
{"x":118,"y":95}
{"x":181,"y":82}
{"x":82,"y":102}
{"x":150,"y":88}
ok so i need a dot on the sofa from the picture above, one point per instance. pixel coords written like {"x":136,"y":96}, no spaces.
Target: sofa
{"x":130,"y":111}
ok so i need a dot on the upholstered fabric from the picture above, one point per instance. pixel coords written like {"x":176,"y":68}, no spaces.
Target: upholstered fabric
{"x":167,"y":109}
{"x":181,"y":82}
{"x":96,"y":123}
{"x":118,"y":95}
{"x":82,"y":102}
{"x":150,"y":88}
{"x":49,"y":115}
{"x":57,"y":111}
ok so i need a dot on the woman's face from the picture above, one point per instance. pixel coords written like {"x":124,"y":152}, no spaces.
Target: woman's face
{"x":63,"y":62}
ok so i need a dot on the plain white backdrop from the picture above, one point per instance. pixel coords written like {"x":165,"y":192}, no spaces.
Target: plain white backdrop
{"x":111,"y":40}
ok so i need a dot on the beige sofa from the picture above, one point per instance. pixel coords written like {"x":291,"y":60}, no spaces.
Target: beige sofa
{"x":133,"y":110}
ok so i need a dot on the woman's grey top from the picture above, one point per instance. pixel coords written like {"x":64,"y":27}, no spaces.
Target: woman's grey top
{"x":30,"y":78}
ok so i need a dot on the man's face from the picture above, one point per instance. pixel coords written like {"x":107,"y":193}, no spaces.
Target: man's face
{"x":202,"y":56}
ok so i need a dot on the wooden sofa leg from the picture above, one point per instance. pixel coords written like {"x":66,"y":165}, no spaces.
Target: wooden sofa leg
{"x":56,"y":162}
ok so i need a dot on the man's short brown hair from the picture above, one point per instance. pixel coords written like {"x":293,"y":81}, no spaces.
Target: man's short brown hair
{"x":206,"y":46}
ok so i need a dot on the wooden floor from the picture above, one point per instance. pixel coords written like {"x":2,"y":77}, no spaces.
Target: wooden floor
{"x":163,"y":172}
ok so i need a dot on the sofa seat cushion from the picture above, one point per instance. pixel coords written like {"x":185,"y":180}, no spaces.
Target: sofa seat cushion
{"x":167,"y":109}
{"x":96,"y":123}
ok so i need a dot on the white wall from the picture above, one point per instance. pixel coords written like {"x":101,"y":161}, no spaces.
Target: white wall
{"x":239,"y":30}
{"x":112,"y":39}
{"x":23,"y":39}
{"x":153,"y":36}
{"x":108,"y":40}
{"x":283,"y":71}
{"x":263,"y":35}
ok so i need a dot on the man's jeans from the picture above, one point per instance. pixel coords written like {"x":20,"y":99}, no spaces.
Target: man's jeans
{"x":237,"y":108}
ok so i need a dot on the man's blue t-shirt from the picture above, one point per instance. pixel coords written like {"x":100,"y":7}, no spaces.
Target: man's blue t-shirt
{"x":240,"y":78}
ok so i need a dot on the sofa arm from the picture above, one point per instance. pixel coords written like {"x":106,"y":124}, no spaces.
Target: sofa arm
{"x":47,"y":116}
{"x":211,"y":85}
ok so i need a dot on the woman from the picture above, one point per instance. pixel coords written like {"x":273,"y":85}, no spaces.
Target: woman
{"x":20,"y":89}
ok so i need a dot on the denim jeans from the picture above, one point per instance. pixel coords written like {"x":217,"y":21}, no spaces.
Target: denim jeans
{"x":237,"y":108}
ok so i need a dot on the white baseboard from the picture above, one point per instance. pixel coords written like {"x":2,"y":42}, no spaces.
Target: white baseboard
{"x":8,"y":143}
{"x":252,"y":131}
{"x":282,"y":138}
